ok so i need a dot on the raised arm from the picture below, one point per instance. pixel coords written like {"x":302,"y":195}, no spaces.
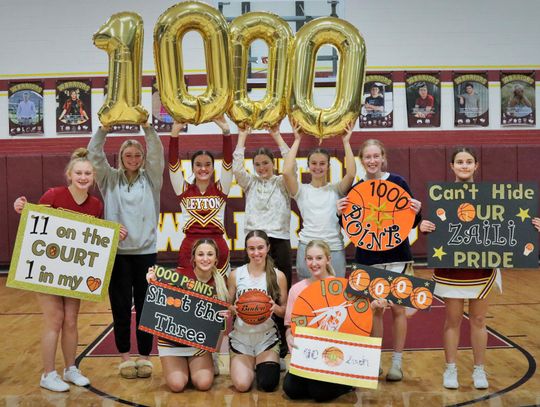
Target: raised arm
{"x":289,"y":165}
{"x":155,"y":161}
{"x":350,"y":165}
{"x":175,"y":167}
{"x":239,"y":170}
{"x":97,"y":156}
{"x":226,"y":165}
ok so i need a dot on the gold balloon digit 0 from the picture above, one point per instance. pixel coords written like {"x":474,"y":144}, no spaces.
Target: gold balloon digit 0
{"x":349,"y":86}
{"x":169,"y":31}
{"x":278,"y":36}
{"x":122,"y":38}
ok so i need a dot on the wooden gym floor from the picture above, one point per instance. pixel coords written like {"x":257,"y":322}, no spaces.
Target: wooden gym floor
{"x":514,"y":316}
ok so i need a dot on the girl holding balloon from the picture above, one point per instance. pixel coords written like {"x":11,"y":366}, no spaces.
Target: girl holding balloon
{"x":203,"y":201}
{"x":317,"y":200}
{"x":373,"y":158}
{"x":255,"y":348}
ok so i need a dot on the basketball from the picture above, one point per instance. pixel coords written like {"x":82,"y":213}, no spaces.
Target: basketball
{"x":379,"y":288}
{"x":254,"y":307}
{"x":466,"y":212}
{"x":421,"y":298}
{"x":333,"y":356}
{"x":401,"y":287}
{"x":359,"y":280}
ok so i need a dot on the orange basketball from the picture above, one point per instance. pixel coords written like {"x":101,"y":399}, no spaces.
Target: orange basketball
{"x":170,"y":301}
{"x":325,"y":304}
{"x":466,"y":212}
{"x":379,"y":215}
{"x":401,"y":287}
{"x":254,"y":307}
{"x":333,"y":356}
{"x":379,"y":288}
{"x":359,"y":280}
{"x":421,"y":298}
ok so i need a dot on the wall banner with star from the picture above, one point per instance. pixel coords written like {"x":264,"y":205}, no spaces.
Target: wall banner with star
{"x":374,"y":283}
{"x":483,"y":225}
{"x":63,"y":253}
{"x":379,"y":215}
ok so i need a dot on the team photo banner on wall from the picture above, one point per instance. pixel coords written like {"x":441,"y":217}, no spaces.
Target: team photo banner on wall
{"x":63,"y":253}
{"x":401,"y":289}
{"x":74,"y":106}
{"x":182,"y":316}
{"x":161,"y":119}
{"x":483,"y":225}
{"x":25,"y":108}
{"x":423,"y":92}
{"x":471,"y":99}
{"x":518,"y":104}
{"x":335,"y":357}
{"x":378,"y":105}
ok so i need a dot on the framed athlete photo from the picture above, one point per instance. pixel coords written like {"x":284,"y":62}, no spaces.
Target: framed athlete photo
{"x":25,"y":108}
{"x":423,"y":91}
{"x":74,"y":106}
{"x":378,"y":102}
{"x":518,"y":104}
{"x":471,"y":99}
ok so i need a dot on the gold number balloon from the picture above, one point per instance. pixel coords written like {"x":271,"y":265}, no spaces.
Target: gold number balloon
{"x":170,"y":28}
{"x":278,"y":36}
{"x":352,"y":60}
{"x":122,"y":38}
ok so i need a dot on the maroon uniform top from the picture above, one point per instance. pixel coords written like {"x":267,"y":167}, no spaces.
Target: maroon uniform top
{"x":61,"y":198}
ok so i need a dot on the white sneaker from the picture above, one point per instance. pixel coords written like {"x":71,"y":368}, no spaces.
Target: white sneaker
{"x":479,"y":378}
{"x":450,"y":380}
{"x":74,"y":375}
{"x":52,"y":381}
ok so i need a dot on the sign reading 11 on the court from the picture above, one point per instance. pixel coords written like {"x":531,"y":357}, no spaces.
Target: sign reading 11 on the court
{"x":483,"y":225}
{"x":63,"y":253}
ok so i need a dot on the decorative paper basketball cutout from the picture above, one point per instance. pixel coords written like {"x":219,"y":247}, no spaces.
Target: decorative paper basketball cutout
{"x":379,"y":288}
{"x":333,"y":356}
{"x":325,"y":305}
{"x":359,"y":279}
{"x":421,"y":298}
{"x":401,"y":287}
{"x":379,"y":216}
{"x":466,"y":212}
{"x":93,"y":283}
{"x":253,"y":307}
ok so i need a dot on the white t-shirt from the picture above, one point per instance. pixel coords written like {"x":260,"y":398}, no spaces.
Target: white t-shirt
{"x":318,"y":209}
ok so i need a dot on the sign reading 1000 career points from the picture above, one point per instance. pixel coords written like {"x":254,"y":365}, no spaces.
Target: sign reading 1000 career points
{"x":483,"y":225}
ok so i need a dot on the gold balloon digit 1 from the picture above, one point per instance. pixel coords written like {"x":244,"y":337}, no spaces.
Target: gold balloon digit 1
{"x":350,"y":45}
{"x":278,"y":36}
{"x":122,"y":38}
{"x":169,"y":31}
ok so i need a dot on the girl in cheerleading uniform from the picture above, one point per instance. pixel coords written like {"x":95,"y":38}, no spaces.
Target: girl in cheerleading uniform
{"x":457,"y":285}
{"x":203,"y":201}
{"x":180,"y":363}
{"x":373,"y":158}
{"x":255,"y":348}
{"x":317,"y":200}
{"x":60,"y":313}
{"x":131,"y":194}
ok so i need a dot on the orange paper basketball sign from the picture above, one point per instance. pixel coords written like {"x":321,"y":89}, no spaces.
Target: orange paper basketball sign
{"x":253,"y":307}
{"x":401,"y":287}
{"x":421,"y":298}
{"x":466,"y":212}
{"x":378,"y":216}
{"x":359,"y":279}
{"x":325,"y":305}
{"x":379,"y":288}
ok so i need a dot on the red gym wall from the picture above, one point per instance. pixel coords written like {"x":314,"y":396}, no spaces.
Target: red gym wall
{"x":30,"y":166}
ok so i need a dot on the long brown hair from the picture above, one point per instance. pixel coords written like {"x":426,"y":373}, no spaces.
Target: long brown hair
{"x":219,"y":281}
{"x":271,"y":276}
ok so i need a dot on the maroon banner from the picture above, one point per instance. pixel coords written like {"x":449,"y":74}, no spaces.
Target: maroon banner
{"x":378,"y":106}
{"x":73,"y":106}
{"x":471,"y":99}
{"x":25,"y":108}
{"x":518,"y":106}
{"x":423,"y":92}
